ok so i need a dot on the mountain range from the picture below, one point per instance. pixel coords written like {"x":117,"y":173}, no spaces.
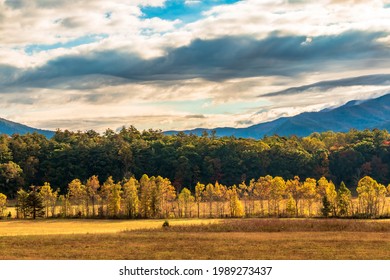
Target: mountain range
{"x":356,"y":114}
{"x":8,"y":127}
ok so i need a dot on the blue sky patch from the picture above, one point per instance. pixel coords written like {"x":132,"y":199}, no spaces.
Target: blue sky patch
{"x":186,"y":11}
{"x":36,"y":48}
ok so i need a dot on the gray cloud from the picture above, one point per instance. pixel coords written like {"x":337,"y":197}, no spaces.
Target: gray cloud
{"x":15,"y":4}
{"x":195,"y":117}
{"x":48,"y":4}
{"x":8,"y":74}
{"x":380,"y":79}
{"x":244,"y":122}
{"x":220,"y":59}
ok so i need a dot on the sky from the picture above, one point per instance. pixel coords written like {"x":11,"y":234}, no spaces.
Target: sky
{"x":175,"y":65}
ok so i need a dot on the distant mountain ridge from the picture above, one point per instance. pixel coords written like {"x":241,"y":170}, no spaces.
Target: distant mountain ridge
{"x":9,"y":127}
{"x":356,"y":114}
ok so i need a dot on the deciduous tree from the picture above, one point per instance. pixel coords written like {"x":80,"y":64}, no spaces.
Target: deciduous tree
{"x":3,"y":204}
{"x":199,"y":189}
{"x":130,"y":197}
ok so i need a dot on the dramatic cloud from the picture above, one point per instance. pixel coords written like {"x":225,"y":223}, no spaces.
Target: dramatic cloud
{"x":370,"y":80}
{"x":221,"y":59}
{"x":181,"y":64}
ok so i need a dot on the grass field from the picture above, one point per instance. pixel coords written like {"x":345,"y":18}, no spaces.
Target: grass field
{"x":196,"y":239}
{"x":87,"y":226}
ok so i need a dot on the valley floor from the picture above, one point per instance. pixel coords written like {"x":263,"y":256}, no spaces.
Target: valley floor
{"x":243,"y":239}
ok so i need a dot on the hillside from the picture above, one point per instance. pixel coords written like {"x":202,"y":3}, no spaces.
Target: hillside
{"x":360,"y":115}
{"x":8,"y":127}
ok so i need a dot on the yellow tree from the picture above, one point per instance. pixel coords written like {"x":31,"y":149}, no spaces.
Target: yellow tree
{"x":262,"y":190}
{"x":328,"y":189}
{"x":308,"y":193}
{"x":277,"y":191}
{"x":65,"y":204}
{"x":114,"y":200}
{"x":92,"y":187}
{"x":157,"y":188}
{"x":104,"y":192}
{"x":77,"y":196}
{"x":199,"y":188}
{"x":371,"y":196}
{"x":3,"y":204}
{"x":208,"y":194}
{"x":145,"y":196}
{"x":235,"y":205}
{"x":244,"y":195}
{"x":185,"y":201}
{"x":291,"y":206}
{"x":49,"y":198}
{"x":130,"y":197}
{"x":168,"y":195}
{"x":294,"y":188}
{"x":220,"y":198}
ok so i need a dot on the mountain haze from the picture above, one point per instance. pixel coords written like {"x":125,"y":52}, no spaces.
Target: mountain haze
{"x":357,"y":114}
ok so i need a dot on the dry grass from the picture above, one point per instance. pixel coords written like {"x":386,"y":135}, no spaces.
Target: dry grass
{"x":83,"y":226}
{"x":209,"y":245}
{"x":287,"y":225}
{"x":230,"y":239}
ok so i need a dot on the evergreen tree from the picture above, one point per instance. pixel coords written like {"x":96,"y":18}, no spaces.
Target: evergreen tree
{"x":326,"y":206}
{"x":34,"y":201}
{"x":343,"y":200}
{"x":21,"y":204}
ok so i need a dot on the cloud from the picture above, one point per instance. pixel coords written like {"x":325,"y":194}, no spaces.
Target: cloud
{"x":221,"y":59}
{"x":379,"y":79}
{"x":195,"y":117}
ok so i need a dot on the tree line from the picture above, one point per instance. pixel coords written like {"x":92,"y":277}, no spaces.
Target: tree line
{"x":156,"y":197}
{"x":32,"y":159}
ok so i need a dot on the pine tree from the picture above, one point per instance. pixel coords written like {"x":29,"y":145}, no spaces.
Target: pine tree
{"x":21,"y":204}
{"x":343,"y":200}
{"x":34,"y":201}
{"x":326,"y":206}
{"x":291,"y":206}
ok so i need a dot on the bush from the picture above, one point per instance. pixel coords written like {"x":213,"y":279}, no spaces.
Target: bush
{"x":165,"y":224}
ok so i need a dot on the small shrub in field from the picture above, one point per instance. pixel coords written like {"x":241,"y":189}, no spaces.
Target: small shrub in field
{"x":165,"y":224}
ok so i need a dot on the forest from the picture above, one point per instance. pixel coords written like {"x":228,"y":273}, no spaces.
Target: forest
{"x":190,"y":169}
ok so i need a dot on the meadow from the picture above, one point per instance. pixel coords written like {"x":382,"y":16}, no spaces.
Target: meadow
{"x":196,"y":239}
